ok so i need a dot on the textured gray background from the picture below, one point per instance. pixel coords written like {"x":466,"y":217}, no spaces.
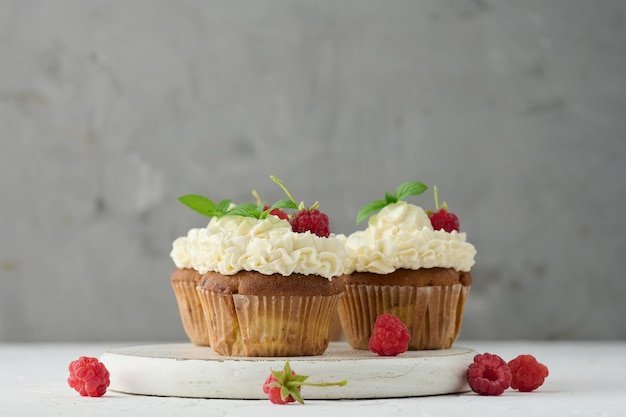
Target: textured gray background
{"x":109,"y":110}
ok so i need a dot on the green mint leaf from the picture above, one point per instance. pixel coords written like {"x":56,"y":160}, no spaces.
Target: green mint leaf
{"x":409,"y":188}
{"x":403,"y":191}
{"x":264,"y":213}
{"x":223,"y":206}
{"x":245,"y":210}
{"x":370,"y":209}
{"x":200,"y":204}
{"x":390,"y":198}
{"x":284,"y":204}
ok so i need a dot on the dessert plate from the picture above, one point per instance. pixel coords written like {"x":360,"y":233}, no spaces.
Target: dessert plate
{"x":186,"y":370}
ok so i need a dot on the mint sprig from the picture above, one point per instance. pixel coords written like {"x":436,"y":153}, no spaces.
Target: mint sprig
{"x":256,"y":210}
{"x":207,"y":207}
{"x":204,"y":205}
{"x":284,"y":204}
{"x":403,"y":191}
{"x":246,"y":210}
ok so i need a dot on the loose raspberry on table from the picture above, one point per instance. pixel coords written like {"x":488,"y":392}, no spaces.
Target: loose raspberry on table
{"x":527,"y":373}
{"x":488,"y":375}
{"x":390,"y":336}
{"x":274,"y":390}
{"x":313,"y":221}
{"x":88,"y":376}
{"x":283,"y":387}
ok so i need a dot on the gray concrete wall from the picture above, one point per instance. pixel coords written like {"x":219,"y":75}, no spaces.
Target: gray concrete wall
{"x":109,"y":110}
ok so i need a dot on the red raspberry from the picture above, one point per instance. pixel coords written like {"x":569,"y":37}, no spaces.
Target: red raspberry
{"x":527,"y":373}
{"x":283,"y":387}
{"x":272,"y":388}
{"x":88,"y":376}
{"x":443,"y":219}
{"x":390,"y":336}
{"x":488,"y":374}
{"x":305,"y":219}
{"x":311,"y":220}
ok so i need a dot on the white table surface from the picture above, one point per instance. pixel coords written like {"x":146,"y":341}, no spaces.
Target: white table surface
{"x":586,"y":379}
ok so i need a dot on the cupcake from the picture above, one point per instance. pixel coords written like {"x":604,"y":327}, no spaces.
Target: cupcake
{"x":269,"y":286}
{"x":401,"y":265}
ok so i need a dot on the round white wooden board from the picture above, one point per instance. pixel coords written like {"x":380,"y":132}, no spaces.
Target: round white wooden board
{"x":186,"y":370}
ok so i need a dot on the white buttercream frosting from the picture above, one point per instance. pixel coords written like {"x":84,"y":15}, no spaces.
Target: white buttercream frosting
{"x":230,"y":244}
{"x":401,"y":236}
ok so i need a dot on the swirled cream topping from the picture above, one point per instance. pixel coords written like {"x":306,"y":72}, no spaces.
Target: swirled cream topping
{"x":401,"y":236}
{"x":230,"y":244}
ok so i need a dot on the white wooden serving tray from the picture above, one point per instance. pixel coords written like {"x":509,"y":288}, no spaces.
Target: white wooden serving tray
{"x":186,"y":370}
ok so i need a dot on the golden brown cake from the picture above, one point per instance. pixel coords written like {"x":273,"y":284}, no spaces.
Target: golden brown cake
{"x":400,"y":265}
{"x":184,"y":282}
{"x":251,"y":314}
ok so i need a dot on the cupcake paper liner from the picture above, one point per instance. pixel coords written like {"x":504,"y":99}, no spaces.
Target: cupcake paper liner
{"x":432,"y":314}
{"x":191,"y":312}
{"x":251,"y":325}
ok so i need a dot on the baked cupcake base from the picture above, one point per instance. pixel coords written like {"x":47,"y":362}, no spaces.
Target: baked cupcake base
{"x":430,"y":302}
{"x":184,"y":283}
{"x":251,"y":314}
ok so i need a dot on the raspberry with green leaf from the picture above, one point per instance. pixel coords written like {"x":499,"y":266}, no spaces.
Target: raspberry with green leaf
{"x":403,"y":191}
{"x":304,"y":219}
{"x":278,"y":391}
{"x":441,"y":218}
{"x":283,"y":387}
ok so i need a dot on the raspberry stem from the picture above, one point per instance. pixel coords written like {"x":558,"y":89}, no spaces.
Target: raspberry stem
{"x":325,"y":384}
{"x":437,"y":207}
{"x":281,"y":185}
{"x":301,"y":205}
{"x":256,"y":195}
